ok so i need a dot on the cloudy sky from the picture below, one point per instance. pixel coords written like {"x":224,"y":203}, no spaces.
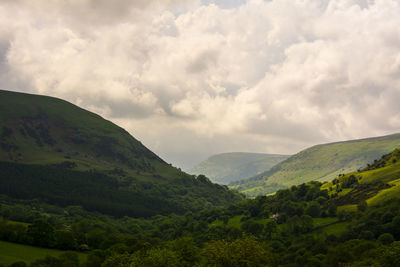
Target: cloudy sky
{"x":194,"y":78}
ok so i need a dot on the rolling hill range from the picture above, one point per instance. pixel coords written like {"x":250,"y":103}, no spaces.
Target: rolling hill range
{"x":230,"y":167}
{"x":320,"y":163}
{"x":57,"y":152}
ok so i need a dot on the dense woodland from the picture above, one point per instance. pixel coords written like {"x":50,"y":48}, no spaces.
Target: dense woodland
{"x":125,"y":196}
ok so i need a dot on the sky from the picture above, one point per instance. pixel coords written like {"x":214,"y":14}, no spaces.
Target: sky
{"x":194,"y":78}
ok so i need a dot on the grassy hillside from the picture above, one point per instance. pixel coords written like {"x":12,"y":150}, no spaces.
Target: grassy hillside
{"x":44,"y":130}
{"x":319,"y":163}
{"x":230,"y":167}
{"x":375,"y":184}
{"x":52,"y":150}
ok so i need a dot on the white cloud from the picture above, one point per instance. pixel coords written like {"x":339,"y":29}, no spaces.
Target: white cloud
{"x":267,"y":76}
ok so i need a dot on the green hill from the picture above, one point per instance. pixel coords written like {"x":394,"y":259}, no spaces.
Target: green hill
{"x":44,"y":130}
{"x":55,"y":151}
{"x":319,"y":163}
{"x":230,"y":167}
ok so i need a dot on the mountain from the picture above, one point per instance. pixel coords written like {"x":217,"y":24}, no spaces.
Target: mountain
{"x":230,"y":167}
{"x":321,"y":163}
{"x":57,"y":152}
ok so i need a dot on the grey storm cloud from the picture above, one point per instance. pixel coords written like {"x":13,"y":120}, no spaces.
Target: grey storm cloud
{"x":202,"y":77}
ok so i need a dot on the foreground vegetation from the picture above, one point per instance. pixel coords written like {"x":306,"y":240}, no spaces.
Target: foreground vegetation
{"x":310,"y":224}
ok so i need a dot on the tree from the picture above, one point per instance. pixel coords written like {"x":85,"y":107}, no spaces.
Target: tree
{"x":362,"y":206}
{"x":390,"y":255}
{"x":270,"y":228}
{"x":117,"y":260}
{"x":313,"y":209}
{"x":95,"y":237}
{"x":386,"y":239}
{"x":299,"y":225}
{"x":155,"y":258}
{"x":186,"y":250}
{"x":18,"y":264}
{"x":41,"y":233}
{"x":252,"y":227}
{"x":245,"y":251}
{"x":64,"y":239}
{"x":332,"y":209}
{"x":367,"y":235}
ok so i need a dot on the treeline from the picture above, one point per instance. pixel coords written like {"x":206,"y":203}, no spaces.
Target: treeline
{"x":126,"y":196}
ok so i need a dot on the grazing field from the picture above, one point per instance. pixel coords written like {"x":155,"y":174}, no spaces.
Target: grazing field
{"x":11,"y":252}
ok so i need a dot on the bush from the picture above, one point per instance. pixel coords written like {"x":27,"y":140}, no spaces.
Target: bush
{"x":313,"y":209}
{"x":386,"y":239}
{"x":362,"y":206}
{"x":366,"y":235}
{"x":18,"y":264}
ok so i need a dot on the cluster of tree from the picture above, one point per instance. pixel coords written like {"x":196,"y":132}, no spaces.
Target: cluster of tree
{"x":99,"y":192}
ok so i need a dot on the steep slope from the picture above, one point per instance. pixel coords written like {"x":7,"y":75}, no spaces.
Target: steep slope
{"x":55,"y":151}
{"x":320,"y":163}
{"x":230,"y":167}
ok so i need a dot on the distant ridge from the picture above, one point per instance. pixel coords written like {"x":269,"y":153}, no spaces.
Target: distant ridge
{"x":229,"y":167}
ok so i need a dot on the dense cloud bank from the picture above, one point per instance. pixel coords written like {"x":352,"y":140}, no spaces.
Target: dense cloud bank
{"x":191,"y":78}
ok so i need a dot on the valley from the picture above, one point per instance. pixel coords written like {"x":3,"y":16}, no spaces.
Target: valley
{"x":231,"y":167}
{"x":77,"y":190}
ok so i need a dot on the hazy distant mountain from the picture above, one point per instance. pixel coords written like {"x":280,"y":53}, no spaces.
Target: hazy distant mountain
{"x":229,"y":167}
{"x":320,"y":162}
{"x":57,"y":152}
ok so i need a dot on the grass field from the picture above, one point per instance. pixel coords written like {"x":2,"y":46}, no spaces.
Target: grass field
{"x":335,"y":229}
{"x":348,"y":208}
{"x":321,"y":222}
{"x":11,"y":252}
